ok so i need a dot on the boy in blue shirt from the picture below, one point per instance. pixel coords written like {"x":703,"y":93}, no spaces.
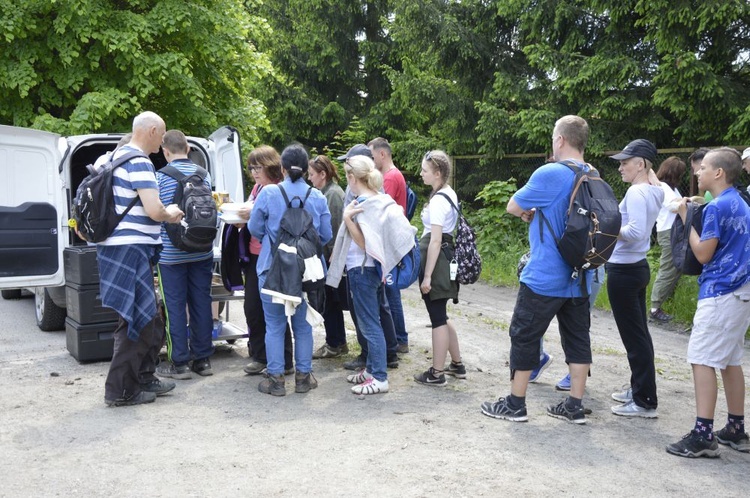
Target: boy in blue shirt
{"x":723,"y":313}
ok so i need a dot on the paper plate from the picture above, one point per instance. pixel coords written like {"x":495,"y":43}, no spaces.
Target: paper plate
{"x":232,"y":219}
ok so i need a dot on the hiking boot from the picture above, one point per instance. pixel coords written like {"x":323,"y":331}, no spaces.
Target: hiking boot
{"x":273,"y":385}
{"x":358,"y":377}
{"x":157,"y":386}
{"x":137,"y":399}
{"x":693,"y":445}
{"x":561,"y":411}
{"x":371,"y":386}
{"x":501,"y":410}
{"x":544,"y":362}
{"x":254,"y":368}
{"x":660,"y":316}
{"x":326,"y":351}
{"x":179,"y":372}
{"x":457,"y":370}
{"x":630,"y":409}
{"x":564,"y":384}
{"x":737,"y":440}
{"x":402,"y":348}
{"x":625,"y":396}
{"x":202,"y":367}
{"x":357,"y":363}
{"x":303,"y":382}
{"x":429,"y":378}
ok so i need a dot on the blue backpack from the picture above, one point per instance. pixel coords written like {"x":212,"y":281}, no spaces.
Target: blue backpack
{"x":411,"y":203}
{"x":406,"y":271}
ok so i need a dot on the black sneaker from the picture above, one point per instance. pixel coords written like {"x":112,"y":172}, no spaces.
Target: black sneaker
{"x":562,"y":412}
{"x":739,"y":441}
{"x":157,"y":386}
{"x":693,"y":445}
{"x":304,"y":382}
{"x":273,"y":385}
{"x":202,"y":367}
{"x":357,"y":363}
{"x":137,"y":399}
{"x":392,"y":361}
{"x":429,"y":378}
{"x":660,"y":316}
{"x":456,"y":370}
{"x":501,"y":410}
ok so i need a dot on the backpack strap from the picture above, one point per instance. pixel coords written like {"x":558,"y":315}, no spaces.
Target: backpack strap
{"x":301,"y":201}
{"x":174,"y":173}
{"x":577,"y":169}
{"x":450,"y":201}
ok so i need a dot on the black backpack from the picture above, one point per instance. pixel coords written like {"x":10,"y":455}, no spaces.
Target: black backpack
{"x":593,"y":222}
{"x":197,"y":231}
{"x":297,"y":252}
{"x":466,"y":253}
{"x":93,"y":208}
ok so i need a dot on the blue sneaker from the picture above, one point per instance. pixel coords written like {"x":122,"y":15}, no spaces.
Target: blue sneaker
{"x":544,"y":362}
{"x":564,"y":384}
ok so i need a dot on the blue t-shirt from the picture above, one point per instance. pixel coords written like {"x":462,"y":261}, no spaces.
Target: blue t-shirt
{"x":170,"y":255}
{"x":726,"y":218}
{"x":548,"y":190}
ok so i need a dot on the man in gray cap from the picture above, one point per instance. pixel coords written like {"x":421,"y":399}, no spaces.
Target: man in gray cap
{"x":386,"y":320}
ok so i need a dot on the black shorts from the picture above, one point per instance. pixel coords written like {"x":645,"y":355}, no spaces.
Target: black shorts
{"x":437,"y":310}
{"x":531,"y":318}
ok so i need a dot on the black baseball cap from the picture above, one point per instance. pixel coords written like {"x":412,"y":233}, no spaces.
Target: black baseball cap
{"x":357,"y":150}
{"x":638,"y":148}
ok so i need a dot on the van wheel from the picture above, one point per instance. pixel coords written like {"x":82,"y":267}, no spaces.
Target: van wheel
{"x":49,"y":316}
{"x":11,"y":293}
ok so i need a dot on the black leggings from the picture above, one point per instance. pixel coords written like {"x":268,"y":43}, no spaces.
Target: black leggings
{"x":626,"y":287}
{"x":437,"y":310}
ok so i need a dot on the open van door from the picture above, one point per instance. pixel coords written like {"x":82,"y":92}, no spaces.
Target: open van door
{"x":227,"y":161}
{"x":33,"y":209}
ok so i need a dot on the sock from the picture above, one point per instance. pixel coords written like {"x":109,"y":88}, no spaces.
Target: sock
{"x":705,"y":427}
{"x":573,"y":403}
{"x":736,"y":422}
{"x":516,"y":402}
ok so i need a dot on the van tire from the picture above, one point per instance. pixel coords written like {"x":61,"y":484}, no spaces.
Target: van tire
{"x":49,"y":316}
{"x":11,"y":293}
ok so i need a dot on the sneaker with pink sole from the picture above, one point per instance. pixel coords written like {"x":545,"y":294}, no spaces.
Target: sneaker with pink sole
{"x":371,"y":386}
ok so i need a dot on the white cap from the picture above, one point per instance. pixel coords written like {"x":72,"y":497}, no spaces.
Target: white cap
{"x":746,"y":153}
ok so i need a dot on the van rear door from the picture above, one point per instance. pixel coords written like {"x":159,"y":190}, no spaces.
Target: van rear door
{"x":33,"y":208}
{"x":224,"y":148}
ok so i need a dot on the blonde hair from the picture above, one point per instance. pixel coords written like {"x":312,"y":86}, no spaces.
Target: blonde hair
{"x":440,"y":163}
{"x":363,"y":169}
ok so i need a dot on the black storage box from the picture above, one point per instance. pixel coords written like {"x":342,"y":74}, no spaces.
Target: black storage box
{"x":94,"y":342}
{"x":81,"y":267}
{"x":85,"y":305}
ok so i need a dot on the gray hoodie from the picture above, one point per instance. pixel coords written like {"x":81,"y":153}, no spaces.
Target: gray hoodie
{"x":639,"y":209}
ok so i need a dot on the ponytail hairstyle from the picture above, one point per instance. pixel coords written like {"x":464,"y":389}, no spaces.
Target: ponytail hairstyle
{"x":363,"y":169}
{"x":323,"y":164}
{"x":294,"y":160}
{"x":439,"y":163}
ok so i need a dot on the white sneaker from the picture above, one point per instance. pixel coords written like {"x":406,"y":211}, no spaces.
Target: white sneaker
{"x":625,"y":396}
{"x":371,"y":386}
{"x":359,"y":377}
{"x":630,"y":409}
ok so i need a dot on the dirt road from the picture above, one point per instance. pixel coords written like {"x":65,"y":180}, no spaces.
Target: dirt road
{"x":218,"y":436}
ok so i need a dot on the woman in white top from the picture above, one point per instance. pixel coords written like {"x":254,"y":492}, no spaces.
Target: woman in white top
{"x":628,"y":275}
{"x":670,"y":173}
{"x":439,"y":219}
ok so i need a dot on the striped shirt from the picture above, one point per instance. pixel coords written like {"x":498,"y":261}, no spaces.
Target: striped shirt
{"x":170,"y":255}
{"x":136,"y":227}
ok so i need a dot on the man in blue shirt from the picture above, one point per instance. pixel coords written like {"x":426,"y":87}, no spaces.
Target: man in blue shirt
{"x":548,"y":289}
{"x":184,"y":280}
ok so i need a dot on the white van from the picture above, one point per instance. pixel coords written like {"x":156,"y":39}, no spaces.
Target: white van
{"x":39,"y":175}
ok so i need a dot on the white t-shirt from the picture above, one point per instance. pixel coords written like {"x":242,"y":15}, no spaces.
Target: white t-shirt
{"x":438,"y":211}
{"x":666,"y":218}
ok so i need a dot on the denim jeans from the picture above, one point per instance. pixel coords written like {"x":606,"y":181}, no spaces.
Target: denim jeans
{"x":393,"y":294}
{"x":367,"y":296}
{"x":276,"y":322}
{"x":386,"y":321}
{"x":187,"y":285}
